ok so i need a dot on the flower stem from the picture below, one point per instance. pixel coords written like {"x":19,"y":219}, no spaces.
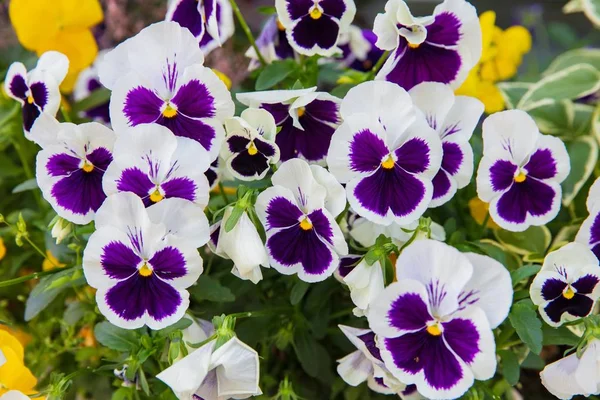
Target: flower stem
{"x":26,"y":278}
{"x":484,"y":224}
{"x":223,"y":194}
{"x":379,"y":63}
{"x":247,"y":31}
{"x":36,"y":248}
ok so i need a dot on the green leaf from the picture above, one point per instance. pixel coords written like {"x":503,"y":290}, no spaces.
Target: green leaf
{"x":510,"y":366}
{"x":298,"y":292}
{"x":534,"y":239}
{"x":116,"y":338}
{"x":207,"y":288}
{"x":313,"y":357}
{"x":512,"y":92}
{"x":555,"y":117}
{"x":527,"y":325}
{"x":341,"y":90}
{"x":274,"y":73}
{"x":96,"y":98}
{"x":267,"y":10}
{"x":46,"y":291}
{"x":571,"y":83}
{"x":583,"y":153}
{"x":177,"y":326}
{"x":236,"y":214}
{"x":29,"y":184}
{"x":560,"y":336}
{"x":524,"y":272}
{"x":574,"y":57}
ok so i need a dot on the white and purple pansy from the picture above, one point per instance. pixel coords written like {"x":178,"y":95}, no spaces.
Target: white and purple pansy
{"x":272,"y":44}
{"x":37,"y":91}
{"x":567,"y":286}
{"x":142,"y":260}
{"x":442,"y":48}
{"x":307,"y":120}
{"x":365,"y":281}
{"x":434,"y":325}
{"x":314,"y":26}
{"x":454,"y":118}
{"x":385,"y":153}
{"x":358,"y":49}
{"x":154,"y":164}
{"x":70,"y":167}
{"x":88,"y":82}
{"x":298,"y":214}
{"x":210,"y":21}
{"x":250,"y":148}
{"x":162,"y":81}
{"x":521,"y":171}
{"x":589,"y":232}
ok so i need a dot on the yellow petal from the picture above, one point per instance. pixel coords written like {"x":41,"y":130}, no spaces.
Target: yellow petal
{"x":469,"y":86}
{"x":51,"y":262}
{"x":23,"y":337}
{"x":2,"y":249}
{"x":487,"y":20}
{"x":10,"y":342}
{"x":34,"y":21}
{"x":479,"y":210}
{"x":488,"y":71}
{"x":224,"y":78}
{"x":491,"y":97}
{"x":519,"y":37}
{"x":506,"y":68}
{"x":80,"y":14}
{"x":14,"y":374}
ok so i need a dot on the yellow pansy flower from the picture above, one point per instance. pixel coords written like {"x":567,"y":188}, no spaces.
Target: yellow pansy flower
{"x":479,"y":210}
{"x":23,"y":337}
{"x":502,"y":54}
{"x":2,"y":249}
{"x":51,"y":262}
{"x":14,"y":375}
{"x":61,"y":25}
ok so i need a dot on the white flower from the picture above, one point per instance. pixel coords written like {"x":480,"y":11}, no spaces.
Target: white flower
{"x":87,"y":83}
{"x":589,"y":232}
{"x":365,"y":282}
{"x":61,"y":229}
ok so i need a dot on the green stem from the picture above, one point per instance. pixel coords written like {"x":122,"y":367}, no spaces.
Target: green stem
{"x":256,"y":314}
{"x":26,"y":237}
{"x":379,"y":63}
{"x":26,"y":278}
{"x":247,"y":31}
{"x":484,"y":224}
{"x":65,"y":114}
{"x":27,"y":169}
{"x":223,"y":194}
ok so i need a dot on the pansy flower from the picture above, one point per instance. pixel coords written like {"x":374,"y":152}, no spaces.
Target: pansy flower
{"x":314,"y":26}
{"x":272,"y":44}
{"x":142,"y":260}
{"x":37,"y":90}
{"x":385,"y":153}
{"x":307,"y":120}
{"x":589,"y":232}
{"x":250,"y":148}
{"x":453,"y":118}
{"x":442,"y":48}
{"x":154,"y":164}
{"x":566,"y":287}
{"x":157,"y":77}
{"x":521,"y":171}
{"x":70,"y":168}
{"x":87,"y":83}
{"x":358,"y":49}
{"x":298,"y":214}
{"x":434,"y":325}
{"x":365,"y":282}
{"x":210,"y":21}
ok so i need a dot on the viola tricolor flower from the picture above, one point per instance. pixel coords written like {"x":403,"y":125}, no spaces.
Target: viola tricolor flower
{"x":521,"y":171}
{"x":272,"y":44}
{"x":37,"y":91}
{"x":307,"y":120}
{"x":385,"y":153}
{"x":454,"y":118}
{"x":573,"y":375}
{"x":442,"y":48}
{"x":154,"y":164}
{"x":142,"y":260}
{"x":210,"y":21}
{"x":589,"y":232}
{"x":250,"y":148}
{"x":365,"y":282}
{"x":230,"y":371}
{"x":88,"y":82}
{"x":70,"y":168}
{"x":314,"y":26}
{"x":157,"y":77}
{"x":566,"y":288}
{"x":298,"y":214}
{"x":434,"y":325}
{"x":358,"y":49}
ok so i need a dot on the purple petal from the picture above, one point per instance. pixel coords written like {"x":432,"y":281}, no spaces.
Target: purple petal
{"x":441,"y":184}
{"x":529,"y":197}
{"x":279,"y":111}
{"x":281,"y":213}
{"x":298,"y":8}
{"x":191,"y":128}
{"x":187,"y":15}
{"x":30,"y":113}
{"x":553,"y":288}
{"x":18,"y":86}
{"x":237,"y":144}
{"x":333,"y":8}
{"x":322,"y":32}
{"x":183,"y":188}
{"x":445,"y":30}
{"x":39,"y":92}
{"x":463,"y":338}
{"x":119,"y":261}
{"x":409,"y":312}
{"x":578,"y":306}
{"x":502,"y":175}
{"x":369,"y":340}
{"x":142,"y":106}
{"x":62,"y":164}
{"x":321,"y":225}
{"x":136,"y":181}
{"x":586,"y":284}
{"x":453,"y":157}
{"x":250,"y":165}
{"x":168,"y":263}
{"x":324,"y":110}
{"x":194,"y":100}
{"x":413,"y":155}
{"x":312,"y":143}
{"x":366,"y":151}
{"x":541,"y":165}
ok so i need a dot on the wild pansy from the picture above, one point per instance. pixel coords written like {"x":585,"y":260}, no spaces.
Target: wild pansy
{"x":385,"y":153}
{"x":298,"y":214}
{"x":314,"y":26}
{"x":249,"y":148}
{"x":434,"y":325}
{"x":142,"y":260}
{"x":365,"y":281}
{"x":589,"y":232}
{"x":307,"y":120}
{"x":242,"y":245}
{"x":154,"y":164}
{"x":157,"y":77}
{"x":442,"y":47}
{"x":365,"y":364}
{"x":575,"y":374}
{"x":272,"y":44}
{"x":88,"y":82}
{"x":358,"y":49}
{"x":210,"y":21}
{"x":15,"y":377}
{"x":71,"y":165}
{"x":454,"y":118}
{"x":521,"y":171}
{"x":37,"y":90}
{"x":566,"y":288}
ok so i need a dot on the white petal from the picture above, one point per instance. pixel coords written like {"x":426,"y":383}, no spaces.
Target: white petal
{"x":462,"y":118}
{"x":509,"y":135}
{"x":182,"y":219}
{"x":45,"y":130}
{"x":296,"y":175}
{"x":237,"y":368}
{"x":255,"y":99}
{"x":193,"y":263}
{"x":335,"y":200}
{"x":571,"y":258}
{"x":385,"y":26}
{"x":16,"y":69}
{"x":366,"y":232}
{"x":587,"y":371}
{"x":123,"y":211}
{"x":435,"y":100}
{"x":13,"y":395}
{"x":355,"y":368}
{"x":54,"y":63}
{"x":593,"y":199}
{"x":366,"y":282}
{"x":559,"y":377}
{"x":199,"y":331}
{"x":261,"y":120}
{"x":584,"y":235}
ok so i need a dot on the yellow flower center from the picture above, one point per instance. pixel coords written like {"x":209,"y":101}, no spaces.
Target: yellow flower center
{"x":252,"y":150}
{"x":30,"y":99}
{"x":301,"y":111}
{"x":156,"y":196}
{"x":413,"y":45}
{"x":87,"y":166}
{"x":169,"y":111}
{"x":305,"y":224}
{"x":145,"y":271}
{"x":388,"y":163}
{"x":569,"y":293}
{"x":315,"y":13}
{"x":434,"y":330}
{"x":280,"y":25}
{"x":521,"y":176}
